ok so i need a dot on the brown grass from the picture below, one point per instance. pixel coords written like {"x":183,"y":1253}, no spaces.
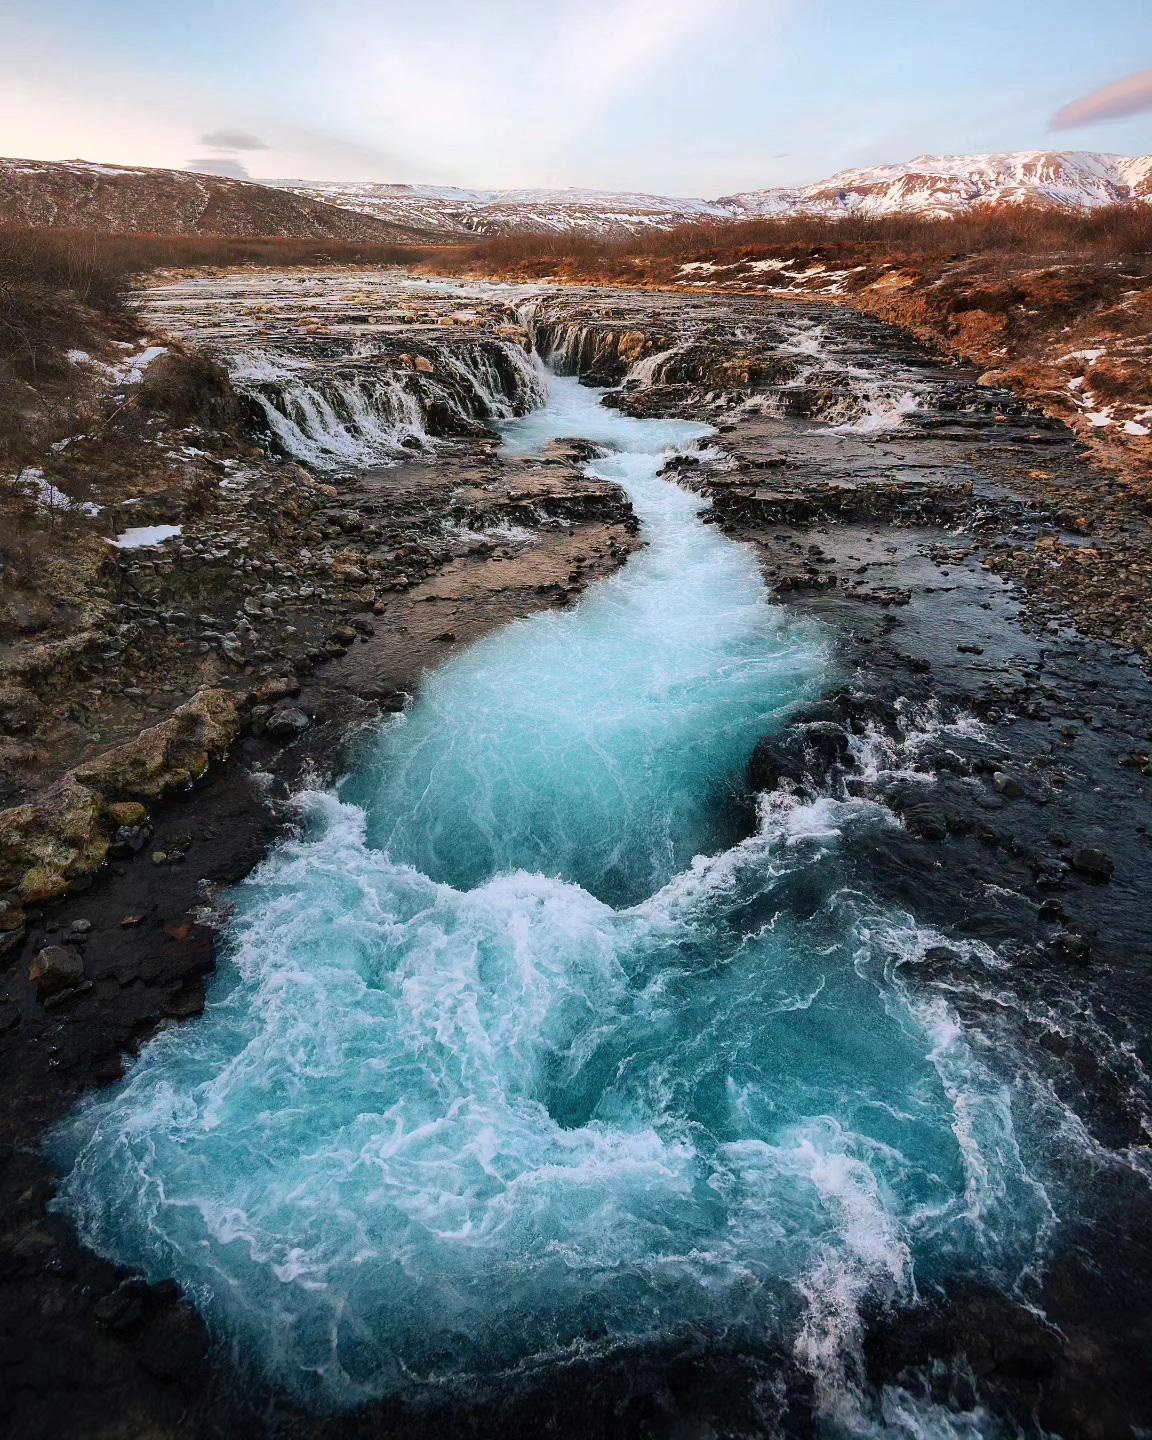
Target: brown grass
{"x":55,"y":283}
{"x":1110,"y":231}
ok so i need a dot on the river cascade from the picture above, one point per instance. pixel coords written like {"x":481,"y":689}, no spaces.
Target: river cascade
{"x":543,"y":1041}
{"x":356,"y":414}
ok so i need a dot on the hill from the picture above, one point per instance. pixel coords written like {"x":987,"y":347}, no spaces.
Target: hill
{"x":80,"y":195}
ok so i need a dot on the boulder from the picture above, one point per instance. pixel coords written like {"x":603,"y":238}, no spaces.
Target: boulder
{"x":68,"y":830}
{"x":286,"y":723}
{"x":801,"y":752}
{"x":1092,"y":863}
{"x":56,"y":969}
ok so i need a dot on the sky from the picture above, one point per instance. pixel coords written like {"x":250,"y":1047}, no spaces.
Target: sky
{"x":678,"y":97}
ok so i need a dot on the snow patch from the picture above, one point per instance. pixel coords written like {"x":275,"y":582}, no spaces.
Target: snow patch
{"x":144,"y":535}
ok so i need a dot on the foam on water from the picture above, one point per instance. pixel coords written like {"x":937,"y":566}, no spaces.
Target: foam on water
{"x":337,"y":418}
{"x":519,"y":1053}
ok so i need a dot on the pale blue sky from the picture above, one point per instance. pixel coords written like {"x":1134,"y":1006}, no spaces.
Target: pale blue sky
{"x":690,"y":97}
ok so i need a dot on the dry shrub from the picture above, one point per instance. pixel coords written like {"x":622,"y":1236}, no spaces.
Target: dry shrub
{"x":54,"y":288}
{"x":134,"y":254}
{"x":1112,"y":379}
{"x":1112,"y":230}
{"x":189,"y":390}
{"x":975,"y":331}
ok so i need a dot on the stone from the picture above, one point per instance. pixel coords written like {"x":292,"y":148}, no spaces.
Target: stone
{"x":11,"y":939}
{"x":129,"y":840}
{"x":287,"y":723}
{"x":1093,"y":864}
{"x":123,"y":1307}
{"x":801,"y":752}
{"x":56,"y":969}
{"x":926,"y":821}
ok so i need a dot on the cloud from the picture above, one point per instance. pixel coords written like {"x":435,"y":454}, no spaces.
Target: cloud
{"x":522,"y":85}
{"x":219,"y":165}
{"x":232,"y":140}
{"x":1130,"y":96}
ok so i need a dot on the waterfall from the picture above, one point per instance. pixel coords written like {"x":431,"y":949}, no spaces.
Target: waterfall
{"x":370,"y":413}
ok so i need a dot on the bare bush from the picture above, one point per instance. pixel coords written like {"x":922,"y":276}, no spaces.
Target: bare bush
{"x":1112,"y":230}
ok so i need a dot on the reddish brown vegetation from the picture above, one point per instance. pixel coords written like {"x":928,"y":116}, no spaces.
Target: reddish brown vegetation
{"x":1110,"y":231}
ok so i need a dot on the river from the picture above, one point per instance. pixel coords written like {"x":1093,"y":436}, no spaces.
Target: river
{"x":542,"y":1040}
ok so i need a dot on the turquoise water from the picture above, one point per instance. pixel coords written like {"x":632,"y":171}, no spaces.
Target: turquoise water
{"x":518,"y":1052}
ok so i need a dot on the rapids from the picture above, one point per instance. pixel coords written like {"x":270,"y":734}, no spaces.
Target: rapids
{"x":525,"y":1049}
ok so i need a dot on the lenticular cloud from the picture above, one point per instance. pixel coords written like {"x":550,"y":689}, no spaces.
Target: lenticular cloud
{"x":1130,"y":96}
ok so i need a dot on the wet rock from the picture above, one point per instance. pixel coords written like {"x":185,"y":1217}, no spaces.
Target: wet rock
{"x":1072,"y":945}
{"x":803,"y":752}
{"x":1050,"y":872}
{"x":926,"y":821}
{"x":1093,"y":864}
{"x":388,"y":697}
{"x":123,"y":1307}
{"x":129,"y":840}
{"x":287,"y":723}
{"x":55,"y":970}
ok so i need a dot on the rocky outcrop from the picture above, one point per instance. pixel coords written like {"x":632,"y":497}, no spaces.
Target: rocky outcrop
{"x":67,"y":831}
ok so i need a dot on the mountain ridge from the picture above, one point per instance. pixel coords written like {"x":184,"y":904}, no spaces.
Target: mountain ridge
{"x":929,"y":185}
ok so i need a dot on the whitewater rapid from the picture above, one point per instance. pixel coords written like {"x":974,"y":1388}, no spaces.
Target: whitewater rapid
{"x":524,"y":1049}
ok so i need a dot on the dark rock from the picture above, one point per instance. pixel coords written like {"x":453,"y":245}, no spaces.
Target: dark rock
{"x":1050,"y":872}
{"x":129,"y":840}
{"x":1073,"y":945}
{"x":1094,"y":864}
{"x":55,"y":970}
{"x":801,"y":752}
{"x":11,"y":940}
{"x":287,"y":723}
{"x":123,"y":1307}
{"x":926,"y":821}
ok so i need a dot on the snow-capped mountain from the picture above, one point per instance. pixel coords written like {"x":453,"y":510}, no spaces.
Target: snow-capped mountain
{"x":929,"y":185}
{"x":80,"y":194}
{"x":949,"y":184}
{"x":451,"y":211}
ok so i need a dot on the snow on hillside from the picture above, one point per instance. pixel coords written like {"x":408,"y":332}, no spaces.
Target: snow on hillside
{"x":929,"y":185}
{"x":949,"y":184}
{"x":503,"y":212}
